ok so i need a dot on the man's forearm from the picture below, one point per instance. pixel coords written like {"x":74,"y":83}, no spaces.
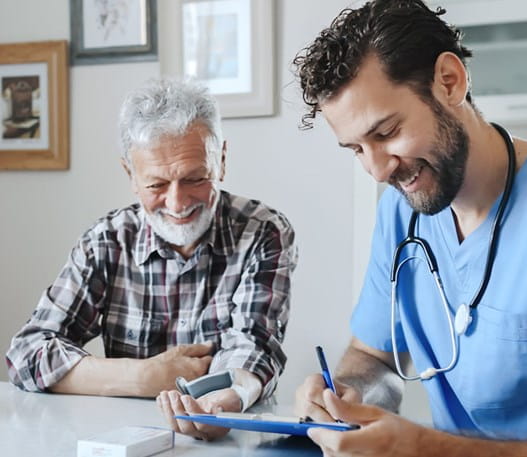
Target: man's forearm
{"x":100,"y":376}
{"x":433,"y":443}
{"x":374,"y":379}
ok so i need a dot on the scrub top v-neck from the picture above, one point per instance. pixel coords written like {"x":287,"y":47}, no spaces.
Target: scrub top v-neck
{"x":486,"y":393}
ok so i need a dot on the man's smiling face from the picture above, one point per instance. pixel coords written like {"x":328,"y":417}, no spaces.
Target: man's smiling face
{"x":417,"y":147}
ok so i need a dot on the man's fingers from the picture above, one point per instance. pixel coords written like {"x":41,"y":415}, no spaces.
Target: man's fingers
{"x":196,"y":350}
{"x":310,"y":392}
{"x":196,"y":366}
{"x":185,"y":427}
{"x":378,"y":434}
{"x":204,"y":361}
{"x":330,"y":441}
{"x":352,"y":413}
{"x":317,"y":413}
{"x":163,"y":402}
{"x":223,"y":399}
{"x":204,"y":431}
{"x":347,"y":393}
{"x":309,"y":399}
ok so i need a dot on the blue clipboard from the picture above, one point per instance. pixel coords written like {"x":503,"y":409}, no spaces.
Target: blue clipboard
{"x":268,"y":423}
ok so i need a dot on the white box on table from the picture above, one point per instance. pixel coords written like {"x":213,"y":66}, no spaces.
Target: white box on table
{"x":126,"y":442}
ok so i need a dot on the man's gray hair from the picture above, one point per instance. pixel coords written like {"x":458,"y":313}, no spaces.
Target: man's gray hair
{"x":169,"y":107}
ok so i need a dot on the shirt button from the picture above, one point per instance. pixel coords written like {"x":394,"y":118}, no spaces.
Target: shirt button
{"x":183,"y":322}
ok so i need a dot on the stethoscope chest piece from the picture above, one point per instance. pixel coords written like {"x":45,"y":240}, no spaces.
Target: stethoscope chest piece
{"x":462,"y":319}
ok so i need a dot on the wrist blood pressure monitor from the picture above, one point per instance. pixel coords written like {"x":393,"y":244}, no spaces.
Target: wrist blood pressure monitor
{"x":211,"y":382}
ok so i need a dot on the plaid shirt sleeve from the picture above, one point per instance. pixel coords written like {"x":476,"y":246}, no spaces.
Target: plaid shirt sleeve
{"x":261,"y":308}
{"x":66,"y":317}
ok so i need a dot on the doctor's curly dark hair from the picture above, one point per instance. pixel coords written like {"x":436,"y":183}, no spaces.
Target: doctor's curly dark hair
{"x":405,"y":35}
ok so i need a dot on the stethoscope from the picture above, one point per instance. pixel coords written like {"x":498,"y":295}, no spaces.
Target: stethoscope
{"x":463,"y":316}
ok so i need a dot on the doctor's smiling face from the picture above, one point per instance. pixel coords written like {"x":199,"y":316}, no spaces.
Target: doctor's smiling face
{"x":416,"y":146}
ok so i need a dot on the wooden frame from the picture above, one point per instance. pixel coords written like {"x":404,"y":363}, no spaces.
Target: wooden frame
{"x":236,"y":33}
{"x":34,"y":129}
{"x":113,"y":32}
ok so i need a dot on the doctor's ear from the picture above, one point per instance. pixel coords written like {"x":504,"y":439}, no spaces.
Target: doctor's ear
{"x":451,"y":83}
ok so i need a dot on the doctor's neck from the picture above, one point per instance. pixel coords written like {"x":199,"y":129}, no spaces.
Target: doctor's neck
{"x":485,"y":175}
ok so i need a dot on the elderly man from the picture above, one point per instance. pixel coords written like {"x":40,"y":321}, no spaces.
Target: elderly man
{"x":189,"y":281}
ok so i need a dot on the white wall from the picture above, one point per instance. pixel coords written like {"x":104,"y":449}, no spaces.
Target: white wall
{"x":304,"y":174}
{"x":318,"y":185}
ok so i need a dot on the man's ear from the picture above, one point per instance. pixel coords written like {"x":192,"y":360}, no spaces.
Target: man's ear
{"x":222,"y":165}
{"x":126,"y":167}
{"x":450,"y":85}
{"x":130,"y":174}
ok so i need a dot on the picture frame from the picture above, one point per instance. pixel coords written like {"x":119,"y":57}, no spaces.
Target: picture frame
{"x":228,"y":45}
{"x":34,"y":102}
{"x":113,"y":31}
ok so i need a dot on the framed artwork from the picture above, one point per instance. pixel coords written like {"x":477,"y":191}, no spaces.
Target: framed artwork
{"x":34,"y":106}
{"x":113,"y":31}
{"x":229,"y":46}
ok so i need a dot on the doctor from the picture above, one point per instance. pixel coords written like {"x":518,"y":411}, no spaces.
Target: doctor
{"x":391,"y":80}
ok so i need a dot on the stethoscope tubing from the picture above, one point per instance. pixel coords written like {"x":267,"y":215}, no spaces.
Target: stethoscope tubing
{"x":431,"y":262}
{"x":429,"y":372}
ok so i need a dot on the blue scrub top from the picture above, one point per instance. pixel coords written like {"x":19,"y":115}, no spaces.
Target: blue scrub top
{"x":485,"y":394}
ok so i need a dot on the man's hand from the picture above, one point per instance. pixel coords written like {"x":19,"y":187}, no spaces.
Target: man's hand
{"x":310,"y":401}
{"x":382,"y":434}
{"x":172,"y":403}
{"x":188,"y":360}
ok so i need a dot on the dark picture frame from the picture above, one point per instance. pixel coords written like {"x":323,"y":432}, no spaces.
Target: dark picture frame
{"x":113,"y":31}
{"x":34,"y":106}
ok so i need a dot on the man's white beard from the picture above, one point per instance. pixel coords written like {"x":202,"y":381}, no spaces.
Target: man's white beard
{"x":182,"y":234}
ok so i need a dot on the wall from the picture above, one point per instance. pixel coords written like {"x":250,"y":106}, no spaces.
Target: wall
{"x":304,"y":174}
{"x":327,"y":197}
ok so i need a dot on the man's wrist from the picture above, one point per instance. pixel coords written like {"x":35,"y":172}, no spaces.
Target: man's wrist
{"x":249,"y":387}
{"x":244,"y":395}
{"x":141,"y":372}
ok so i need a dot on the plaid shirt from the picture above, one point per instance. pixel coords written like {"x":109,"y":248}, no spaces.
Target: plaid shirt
{"x":125,"y":283}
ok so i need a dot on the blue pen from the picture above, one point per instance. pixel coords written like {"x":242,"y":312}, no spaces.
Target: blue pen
{"x":325,"y":370}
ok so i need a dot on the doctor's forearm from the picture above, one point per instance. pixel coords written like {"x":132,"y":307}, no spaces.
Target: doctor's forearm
{"x":433,"y":443}
{"x":372,"y":377}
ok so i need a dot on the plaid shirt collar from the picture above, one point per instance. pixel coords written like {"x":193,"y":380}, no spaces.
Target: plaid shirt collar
{"x":219,"y":237}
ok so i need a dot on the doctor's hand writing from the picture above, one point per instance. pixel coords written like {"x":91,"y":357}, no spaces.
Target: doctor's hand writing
{"x":382,"y":434}
{"x":310,"y":401}
{"x":173,"y":402}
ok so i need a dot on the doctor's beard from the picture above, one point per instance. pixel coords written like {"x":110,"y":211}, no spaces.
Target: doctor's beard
{"x":451,"y":151}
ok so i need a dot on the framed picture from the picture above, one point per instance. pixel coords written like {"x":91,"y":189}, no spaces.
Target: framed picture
{"x":34,"y":106}
{"x":229,"y":46}
{"x":113,"y":31}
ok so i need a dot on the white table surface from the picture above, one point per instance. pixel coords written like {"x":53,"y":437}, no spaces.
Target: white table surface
{"x":49,"y":425}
